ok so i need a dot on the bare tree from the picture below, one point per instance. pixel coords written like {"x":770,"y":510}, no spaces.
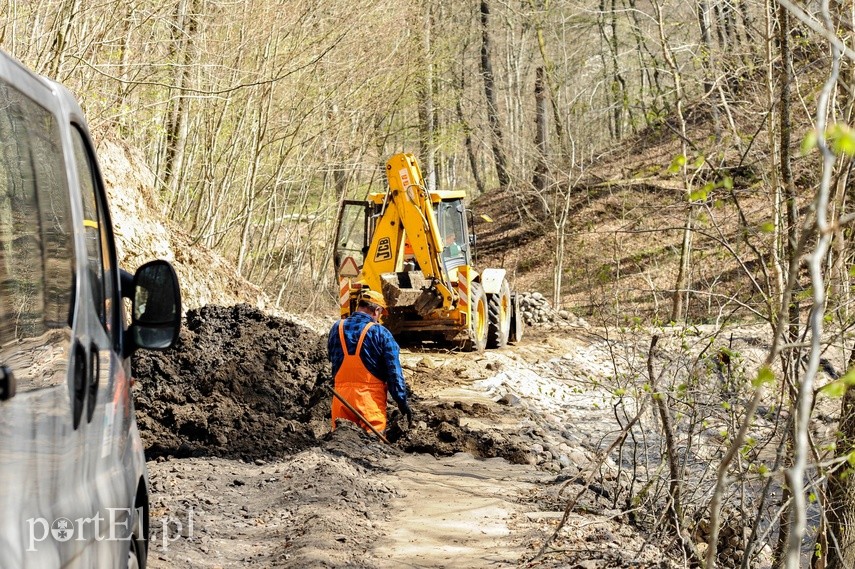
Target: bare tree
{"x":490,"y":96}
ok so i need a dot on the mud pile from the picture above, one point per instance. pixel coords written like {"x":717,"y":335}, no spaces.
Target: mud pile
{"x":441,"y":430}
{"x":239,"y":384}
{"x":242,"y":384}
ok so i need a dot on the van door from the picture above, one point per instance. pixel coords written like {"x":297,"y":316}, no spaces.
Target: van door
{"x":107,"y":411}
{"x":39,"y":449}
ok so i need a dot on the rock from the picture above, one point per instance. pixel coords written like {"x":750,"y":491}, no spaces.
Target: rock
{"x":577,"y":457}
{"x":509,"y":399}
{"x":427,"y":363}
{"x":536,"y":448}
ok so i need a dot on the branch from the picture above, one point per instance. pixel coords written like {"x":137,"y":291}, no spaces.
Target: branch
{"x":817,"y":27}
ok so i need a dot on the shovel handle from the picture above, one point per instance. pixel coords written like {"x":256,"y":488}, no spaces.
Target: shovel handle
{"x":359,"y":416}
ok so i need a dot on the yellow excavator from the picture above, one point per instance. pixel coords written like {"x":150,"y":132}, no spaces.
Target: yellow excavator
{"x":416,"y":247}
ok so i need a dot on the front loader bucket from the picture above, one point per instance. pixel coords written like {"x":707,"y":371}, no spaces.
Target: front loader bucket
{"x":410,"y":289}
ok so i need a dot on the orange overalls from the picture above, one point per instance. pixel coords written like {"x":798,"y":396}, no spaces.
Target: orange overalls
{"x":359,"y":387}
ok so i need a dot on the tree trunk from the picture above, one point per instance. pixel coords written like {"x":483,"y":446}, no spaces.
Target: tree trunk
{"x":840,"y":491}
{"x":552,"y":85}
{"x":426,"y":107}
{"x":61,"y":38}
{"x":540,"y":131}
{"x":178,"y":114}
{"x":790,"y":249}
{"x":677,"y":307}
{"x":680,"y":285}
{"x":490,"y":94}
{"x":467,"y":135}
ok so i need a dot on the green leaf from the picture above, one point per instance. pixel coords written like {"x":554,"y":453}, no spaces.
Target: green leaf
{"x":763,"y":470}
{"x":852,"y":271}
{"x":809,"y":141}
{"x":767,"y":227}
{"x":834,"y":389}
{"x":727,"y":182}
{"x":699,"y":161}
{"x":764,"y":376}
{"x":725,"y":405}
{"x":676,"y":164}
{"x":849,"y":377}
{"x":698,"y":195}
{"x":843,"y":139}
{"x":851,"y":459}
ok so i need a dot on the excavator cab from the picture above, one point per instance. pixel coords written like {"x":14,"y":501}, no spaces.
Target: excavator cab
{"x":356,"y":228}
{"x":451,"y":218}
{"x":353,"y":235}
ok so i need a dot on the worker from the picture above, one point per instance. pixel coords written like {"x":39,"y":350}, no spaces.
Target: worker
{"x":452,"y":248}
{"x":365,"y":364}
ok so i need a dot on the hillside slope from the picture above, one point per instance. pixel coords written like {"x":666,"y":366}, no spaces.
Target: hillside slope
{"x":142,"y":234}
{"x":626,"y":213}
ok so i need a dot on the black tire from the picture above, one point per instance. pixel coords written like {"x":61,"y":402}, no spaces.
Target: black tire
{"x":133,"y":555}
{"x":517,"y":321}
{"x":478,"y":323}
{"x":499,"y":309}
{"x":138,"y":544}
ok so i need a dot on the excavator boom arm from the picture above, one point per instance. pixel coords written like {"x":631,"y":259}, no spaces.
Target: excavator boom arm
{"x":406,"y":213}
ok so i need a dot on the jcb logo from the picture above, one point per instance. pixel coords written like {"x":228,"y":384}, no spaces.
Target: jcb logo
{"x":384,"y":250}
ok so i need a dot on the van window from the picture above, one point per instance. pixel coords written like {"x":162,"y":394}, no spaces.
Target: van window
{"x":99,"y":244}
{"x":36,"y":253}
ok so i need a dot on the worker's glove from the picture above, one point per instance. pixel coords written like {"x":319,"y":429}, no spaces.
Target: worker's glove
{"x":405,"y":410}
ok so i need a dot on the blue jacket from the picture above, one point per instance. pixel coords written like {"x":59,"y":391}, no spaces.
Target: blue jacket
{"x":380,"y":352}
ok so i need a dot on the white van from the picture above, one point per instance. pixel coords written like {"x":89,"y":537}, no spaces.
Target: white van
{"x":73,"y":483}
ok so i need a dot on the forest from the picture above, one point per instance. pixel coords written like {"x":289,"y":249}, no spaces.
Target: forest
{"x":715,"y":136}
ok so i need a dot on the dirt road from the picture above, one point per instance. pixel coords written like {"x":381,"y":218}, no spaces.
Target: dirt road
{"x":245,"y":472}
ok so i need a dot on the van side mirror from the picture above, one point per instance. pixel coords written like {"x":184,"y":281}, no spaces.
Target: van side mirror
{"x":156,"y":311}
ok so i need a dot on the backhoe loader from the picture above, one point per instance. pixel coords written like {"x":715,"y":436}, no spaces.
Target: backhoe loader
{"x":416,"y":247}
